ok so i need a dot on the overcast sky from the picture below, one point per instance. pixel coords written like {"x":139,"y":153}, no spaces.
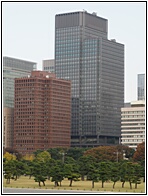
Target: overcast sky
{"x":28,"y":32}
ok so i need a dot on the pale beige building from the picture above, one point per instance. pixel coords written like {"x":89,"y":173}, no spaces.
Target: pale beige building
{"x":8,"y":126}
{"x":133,"y":124}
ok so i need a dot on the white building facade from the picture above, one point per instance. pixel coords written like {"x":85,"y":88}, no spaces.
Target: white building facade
{"x":133,"y":124}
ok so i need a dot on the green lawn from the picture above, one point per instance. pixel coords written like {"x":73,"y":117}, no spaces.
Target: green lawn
{"x":25,"y":182}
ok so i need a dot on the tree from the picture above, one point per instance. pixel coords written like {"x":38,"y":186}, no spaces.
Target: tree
{"x":9,"y":156}
{"x":37,"y":152}
{"x":19,"y":169}
{"x":43,"y":156}
{"x":56,"y":153}
{"x":137,"y":174}
{"x":123,"y":172}
{"x":29,"y":157}
{"x":104,"y":153}
{"x":139,"y":154}
{"x":50,"y":164}
{"x":139,"y":157}
{"x":13,"y":152}
{"x":76,"y":152}
{"x":29,"y":167}
{"x":85,"y":164}
{"x":130,"y":173}
{"x":9,"y":168}
{"x":93,"y":173}
{"x":114,"y":173}
{"x":57,"y":173}
{"x":71,"y":174}
{"x":104,"y":172}
{"x":71,"y":171}
{"x":40,"y":172}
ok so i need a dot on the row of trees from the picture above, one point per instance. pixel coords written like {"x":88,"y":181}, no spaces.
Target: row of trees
{"x":96,"y":164}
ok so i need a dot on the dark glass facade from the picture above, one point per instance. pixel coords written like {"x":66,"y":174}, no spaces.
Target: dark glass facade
{"x":95,"y":65}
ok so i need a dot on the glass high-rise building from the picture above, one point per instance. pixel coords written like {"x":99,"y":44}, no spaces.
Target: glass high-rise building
{"x":13,"y":68}
{"x":141,"y":87}
{"x":95,"y":65}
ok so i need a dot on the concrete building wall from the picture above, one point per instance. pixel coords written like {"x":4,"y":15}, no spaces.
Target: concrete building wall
{"x":133,"y":124}
{"x":48,"y":65}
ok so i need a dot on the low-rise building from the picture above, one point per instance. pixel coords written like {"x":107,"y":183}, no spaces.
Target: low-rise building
{"x":49,"y":65}
{"x":133,"y":124}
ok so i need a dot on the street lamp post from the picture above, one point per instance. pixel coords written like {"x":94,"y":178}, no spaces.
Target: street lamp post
{"x":63,"y":156}
{"x":117,"y":153}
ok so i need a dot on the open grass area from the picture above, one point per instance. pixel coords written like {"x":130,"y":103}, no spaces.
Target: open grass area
{"x":25,"y":182}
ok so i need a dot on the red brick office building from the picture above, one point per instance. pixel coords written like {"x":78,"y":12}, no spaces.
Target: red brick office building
{"x":42,"y":112}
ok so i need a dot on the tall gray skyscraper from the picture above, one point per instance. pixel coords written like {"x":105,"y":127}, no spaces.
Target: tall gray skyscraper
{"x":141,"y":87}
{"x":95,"y":65}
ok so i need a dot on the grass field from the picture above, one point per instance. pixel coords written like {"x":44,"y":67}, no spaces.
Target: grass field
{"x":25,"y":182}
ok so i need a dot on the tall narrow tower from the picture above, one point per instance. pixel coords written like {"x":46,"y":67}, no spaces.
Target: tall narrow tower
{"x":95,"y":65}
{"x":141,"y":87}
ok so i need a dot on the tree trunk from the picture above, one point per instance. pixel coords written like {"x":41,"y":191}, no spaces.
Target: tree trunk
{"x":102,"y":184}
{"x":56,"y":183}
{"x":135,"y":185}
{"x":114,"y":185}
{"x":29,"y":176}
{"x":15,"y":178}
{"x":123,"y":184}
{"x":39,"y":184}
{"x":82,"y":177}
{"x":130,"y":185}
{"x":43,"y":183}
{"x":8,"y":181}
{"x":92,"y":184}
{"x":60,"y":183}
{"x":70,"y":182}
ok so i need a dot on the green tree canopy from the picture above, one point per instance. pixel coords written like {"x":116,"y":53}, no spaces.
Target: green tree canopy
{"x":104,"y":172}
{"x":43,"y":156}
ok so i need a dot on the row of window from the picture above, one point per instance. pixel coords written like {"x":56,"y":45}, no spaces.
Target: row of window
{"x":134,"y":140}
{"x":132,"y":112}
{"x":133,"y":116}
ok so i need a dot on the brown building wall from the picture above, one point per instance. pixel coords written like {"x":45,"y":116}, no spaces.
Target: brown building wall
{"x":8,"y":126}
{"x":42,"y":114}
